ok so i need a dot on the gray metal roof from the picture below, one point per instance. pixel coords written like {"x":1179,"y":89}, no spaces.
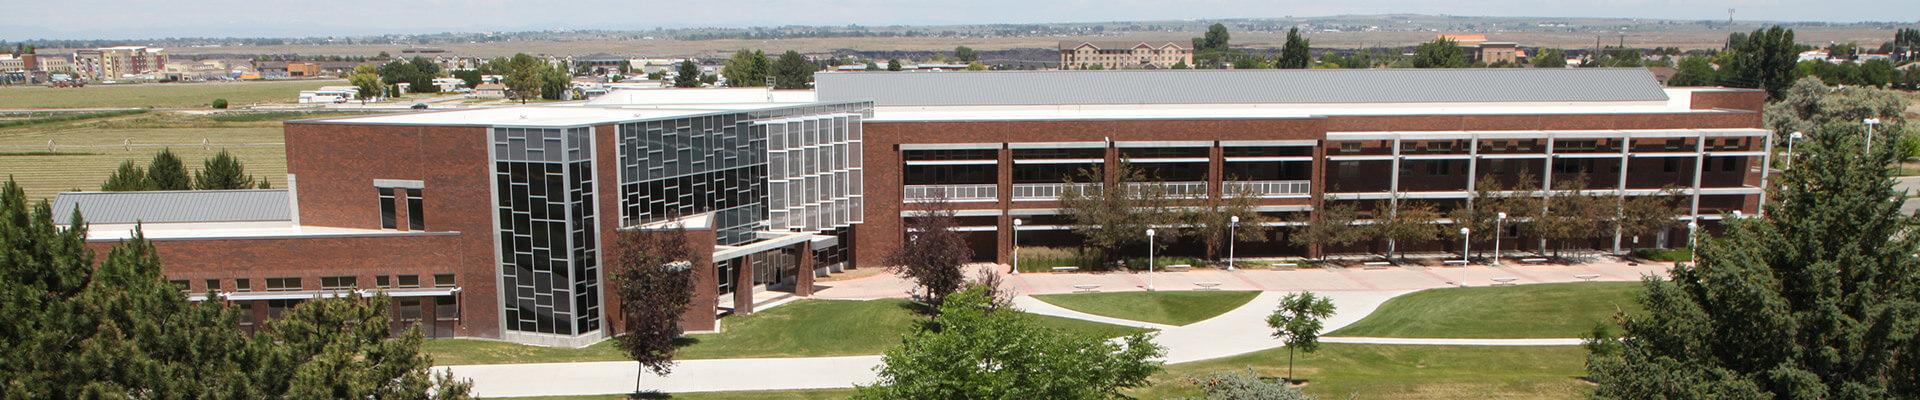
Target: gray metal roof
{"x":1242,"y":86}
{"x":175,"y":206}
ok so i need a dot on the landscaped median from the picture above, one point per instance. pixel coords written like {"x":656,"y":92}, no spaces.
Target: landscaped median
{"x":1162,"y":307}
{"x":1356,"y":371}
{"x":1557,"y":310}
{"x":804,"y":328}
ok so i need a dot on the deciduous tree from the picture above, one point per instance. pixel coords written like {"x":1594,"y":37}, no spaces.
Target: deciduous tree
{"x":1334,"y":226}
{"x":1439,"y":53}
{"x":367,"y":80}
{"x":1113,"y":217}
{"x":1413,"y":222}
{"x":1212,"y":222}
{"x":1298,"y":322}
{"x":652,"y":274}
{"x":746,"y":69}
{"x":1763,"y":59}
{"x":934,"y":253}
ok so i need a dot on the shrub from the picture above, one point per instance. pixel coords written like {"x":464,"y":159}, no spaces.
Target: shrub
{"x":220,"y":103}
{"x":1246,"y":386}
{"x":1669,"y":255}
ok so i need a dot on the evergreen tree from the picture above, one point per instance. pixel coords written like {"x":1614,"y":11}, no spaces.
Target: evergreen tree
{"x":129,"y":178}
{"x":166,"y":172}
{"x":688,"y":75}
{"x":792,"y":71}
{"x":1819,"y":300}
{"x":223,"y":172}
{"x":1296,"y":54}
{"x":871,"y":67}
{"x":1763,"y":59}
{"x":965,"y":54}
{"x":893,"y":64}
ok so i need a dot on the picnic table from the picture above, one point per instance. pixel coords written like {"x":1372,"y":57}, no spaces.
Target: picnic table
{"x":1503,"y":280}
{"x":1065,"y":269}
{"x":1086,"y":288}
{"x":1207,"y":285}
{"x":1587,"y":277}
{"x":1376,"y":265}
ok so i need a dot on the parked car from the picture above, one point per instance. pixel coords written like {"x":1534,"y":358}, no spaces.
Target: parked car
{"x":419,"y":106}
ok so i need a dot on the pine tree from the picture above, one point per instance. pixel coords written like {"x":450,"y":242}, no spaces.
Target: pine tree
{"x":129,"y":178}
{"x":688,"y":75}
{"x":792,"y":71}
{"x":893,"y":64}
{"x":166,"y":172}
{"x":1296,"y":54}
{"x":222,"y":172}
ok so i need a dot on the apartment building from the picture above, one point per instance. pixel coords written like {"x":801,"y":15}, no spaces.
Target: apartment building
{"x":999,"y":146}
{"x":119,"y":61}
{"x":1123,"y":55}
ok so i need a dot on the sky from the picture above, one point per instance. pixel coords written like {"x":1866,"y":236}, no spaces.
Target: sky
{"x":107,"y":19}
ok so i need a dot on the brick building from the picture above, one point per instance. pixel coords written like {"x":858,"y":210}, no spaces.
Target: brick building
{"x":1113,"y":54}
{"x":1001,"y":148}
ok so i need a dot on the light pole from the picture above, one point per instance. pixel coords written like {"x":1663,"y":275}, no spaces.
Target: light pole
{"x":1233,"y":230}
{"x":1466,"y":250}
{"x":1016,"y":246}
{"x":1795,"y":137}
{"x":1871,"y":122}
{"x":1149,"y":259}
{"x":1692,"y":226}
{"x":1498,"y":222}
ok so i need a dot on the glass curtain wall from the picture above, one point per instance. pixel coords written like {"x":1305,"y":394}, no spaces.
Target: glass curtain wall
{"x":549,"y":263}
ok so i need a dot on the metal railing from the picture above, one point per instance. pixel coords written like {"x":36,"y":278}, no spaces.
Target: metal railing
{"x":953,"y":192}
{"x":1049,"y":191}
{"x":1269,"y":189}
{"x":1184,"y":189}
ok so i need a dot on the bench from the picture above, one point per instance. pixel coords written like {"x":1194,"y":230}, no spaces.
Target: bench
{"x":1065,"y":269}
{"x":1285,"y":266}
{"x":1086,"y":288}
{"x":1535,"y":260}
{"x":1207,"y":285}
{"x":1587,"y":277}
{"x":1503,"y":280}
{"x":1456,"y":262}
{"x":1376,"y":265}
{"x":1179,"y":267}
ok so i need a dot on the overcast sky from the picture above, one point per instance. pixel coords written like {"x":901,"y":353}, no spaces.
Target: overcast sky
{"x":105,"y":19}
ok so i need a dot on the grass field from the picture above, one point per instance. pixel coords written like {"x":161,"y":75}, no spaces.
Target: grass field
{"x":158,"y":95}
{"x":1561,"y":310}
{"x":85,"y":151}
{"x":806,"y":328}
{"x":1171,"y":308}
{"x":1347,"y":371}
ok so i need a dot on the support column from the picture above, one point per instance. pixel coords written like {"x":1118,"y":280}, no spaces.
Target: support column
{"x":1699,"y":161}
{"x":1216,"y":172}
{"x":1317,"y":188}
{"x":1393,"y":189}
{"x":1626,"y":159}
{"x":1546,"y":185}
{"x":1766,"y":165}
{"x":743,"y":285}
{"x":803,"y":284}
{"x":1003,"y":231}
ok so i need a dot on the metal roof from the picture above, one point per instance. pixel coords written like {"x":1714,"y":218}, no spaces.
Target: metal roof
{"x":1242,"y":86}
{"x":175,"y":206}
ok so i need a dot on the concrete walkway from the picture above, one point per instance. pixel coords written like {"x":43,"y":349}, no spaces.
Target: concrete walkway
{"x":1354,"y":292}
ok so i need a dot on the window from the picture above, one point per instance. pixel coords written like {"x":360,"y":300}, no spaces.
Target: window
{"x":338,"y":283}
{"x":242,"y":285}
{"x":1670,"y":165}
{"x":181,"y":284}
{"x":409,"y":281}
{"x":416,"y":211}
{"x":443,"y":280}
{"x":213,"y":284}
{"x":407,"y":309}
{"x":283,"y":284}
{"x":383,"y":281}
{"x":386,"y":209}
{"x":276,"y":307}
{"x":446,"y":308}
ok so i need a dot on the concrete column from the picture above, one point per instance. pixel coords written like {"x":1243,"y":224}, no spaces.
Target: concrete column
{"x":1626,"y":159}
{"x":1546,"y":184}
{"x":743,"y":286}
{"x":1393,"y":189}
{"x":1473,"y":167}
{"x":803,"y":286}
{"x":1699,"y":161}
{"x":1766,"y":165}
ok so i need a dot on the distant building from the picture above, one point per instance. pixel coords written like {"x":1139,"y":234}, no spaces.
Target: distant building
{"x":119,"y":61}
{"x":599,"y":63}
{"x":490,"y":90}
{"x":1123,"y":54}
{"x":1479,"y":50}
{"x":32,"y":68}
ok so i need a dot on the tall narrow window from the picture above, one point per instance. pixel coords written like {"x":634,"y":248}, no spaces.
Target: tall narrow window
{"x":416,"y":211}
{"x":386,"y":209}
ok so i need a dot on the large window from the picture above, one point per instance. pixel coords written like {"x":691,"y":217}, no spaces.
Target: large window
{"x":283,"y":284}
{"x":387,"y":209}
{"x":338,"y":282}
{"x":549,"y":268}
{"x":416,"y":211}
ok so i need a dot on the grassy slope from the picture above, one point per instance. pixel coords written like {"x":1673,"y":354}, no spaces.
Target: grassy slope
{"x":1564,"y":310}
{"x":1342,"y":371}
{"x":806,"y":328}
{"x":89,"y":150}
{"x":1172,"y":308}
{"x":158,"y":95}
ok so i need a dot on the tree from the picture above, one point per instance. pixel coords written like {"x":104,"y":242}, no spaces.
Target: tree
{"x":653,"y":283}
{"x":1413,"y":222}
{"x":470,"y":77}
{"x":1334,"y":225}
{"x":965,"y":54}
{"x":1810,"y":104}
{"x":1212,"y":223}
{"x":1481,"y":214}
{"x":522,"y":76}
{"x":974,"y":350}
{"x":219,"y":104}
{"x":556,"y":82}
{"x":934,"y":253}
{"x":1439,"y":53}
{"x":1182,"y":64}
{"x":688,"y":75}
{"x":1298,"y":321}
{"x":746,"y":69}
{"x":1113,"y":217}
{"x":976,"y":66}
{"x":129,"y":178}
{"x":792,"y":71}
{"x":343,"y":348}
{"x":1694,"y":71}
{"x":1212,"y":50}
{"x":166,"y":172}
{"x":870,"y":67}
{"x":1296,"y":54}
{"x":222,"y":172}
{"x":1571,"y":214}
{"x":1818,"y":300}
{"x":1550,"y":58}
{"x":1648,"y":215}
{"x":1763,"y":59}
{"x":367,"y":81}
{"x":893,"y":64}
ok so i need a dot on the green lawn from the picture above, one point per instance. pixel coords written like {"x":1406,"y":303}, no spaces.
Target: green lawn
{"x":86,"y":151}
{"x":1165,"y":307}
{"x":805,"y":328}
{"x":1343,"y":371}
{"x":159,"y":95}
{"x":1561,"y":310}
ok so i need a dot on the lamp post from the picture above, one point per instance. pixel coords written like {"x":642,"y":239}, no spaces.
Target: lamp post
{"x":1016,"y":246}
{"x":1795,"y":137}
{"x":1692,"y":243}
{"x":1871,"y":122}
{"x":1149,"y":259}
{"x":1233,"y":230}
{"x":1499,"y":221}
{"x":1466,"y":250}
